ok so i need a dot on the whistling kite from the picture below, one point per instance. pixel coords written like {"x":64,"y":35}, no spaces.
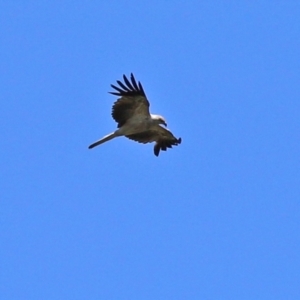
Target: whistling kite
{"x":131,"y":112}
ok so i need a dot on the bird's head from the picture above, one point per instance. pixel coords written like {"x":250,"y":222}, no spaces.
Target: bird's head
{"x":159,"y":120}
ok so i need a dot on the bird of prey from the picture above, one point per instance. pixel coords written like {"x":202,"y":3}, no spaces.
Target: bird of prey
{"x":131,"y":112}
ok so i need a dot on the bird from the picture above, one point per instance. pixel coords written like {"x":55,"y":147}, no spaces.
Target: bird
{"x":134,"y":120}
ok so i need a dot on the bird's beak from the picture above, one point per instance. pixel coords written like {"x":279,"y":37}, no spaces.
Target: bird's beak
{"x":165,"y":124}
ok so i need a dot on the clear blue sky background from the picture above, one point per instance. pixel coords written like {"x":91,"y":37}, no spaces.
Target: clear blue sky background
{"x":217,"y":217}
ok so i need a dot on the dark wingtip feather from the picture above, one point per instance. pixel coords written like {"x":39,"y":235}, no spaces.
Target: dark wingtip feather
{"x":141,"y":88}
{"x":165,"y":145}
{"x":133,"y":82}
{"x":156,"y":150}
{"x":123,"y":86}
{"x":128,"y":82}
{"x":129,"y":88}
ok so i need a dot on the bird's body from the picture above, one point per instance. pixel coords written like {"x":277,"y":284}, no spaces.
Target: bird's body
{"x":131,"y":112}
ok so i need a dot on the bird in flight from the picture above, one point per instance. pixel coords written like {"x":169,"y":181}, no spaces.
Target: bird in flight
{"x":131,"y":112}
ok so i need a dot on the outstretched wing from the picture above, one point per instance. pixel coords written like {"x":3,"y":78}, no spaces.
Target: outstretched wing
{"x":133,"y":101}
{"x":163,"y":137}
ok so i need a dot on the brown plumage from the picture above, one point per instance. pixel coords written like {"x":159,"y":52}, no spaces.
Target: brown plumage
{"x":131,"y":112}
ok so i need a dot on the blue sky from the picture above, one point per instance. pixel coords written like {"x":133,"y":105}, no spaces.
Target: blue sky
{"x":217,"y":217}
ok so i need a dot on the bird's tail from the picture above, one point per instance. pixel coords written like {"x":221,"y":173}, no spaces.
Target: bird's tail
{"x":103,"y":140}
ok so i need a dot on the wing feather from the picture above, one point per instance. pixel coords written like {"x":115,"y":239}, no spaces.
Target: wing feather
{"x":118,"y":89}
{"x":123,"y":86}
{"x":128,"y":82}
{"x":132,"y":101}
{"x":134,"y":82}
{"x":141,"y":88}
{"x":163,"y":137}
